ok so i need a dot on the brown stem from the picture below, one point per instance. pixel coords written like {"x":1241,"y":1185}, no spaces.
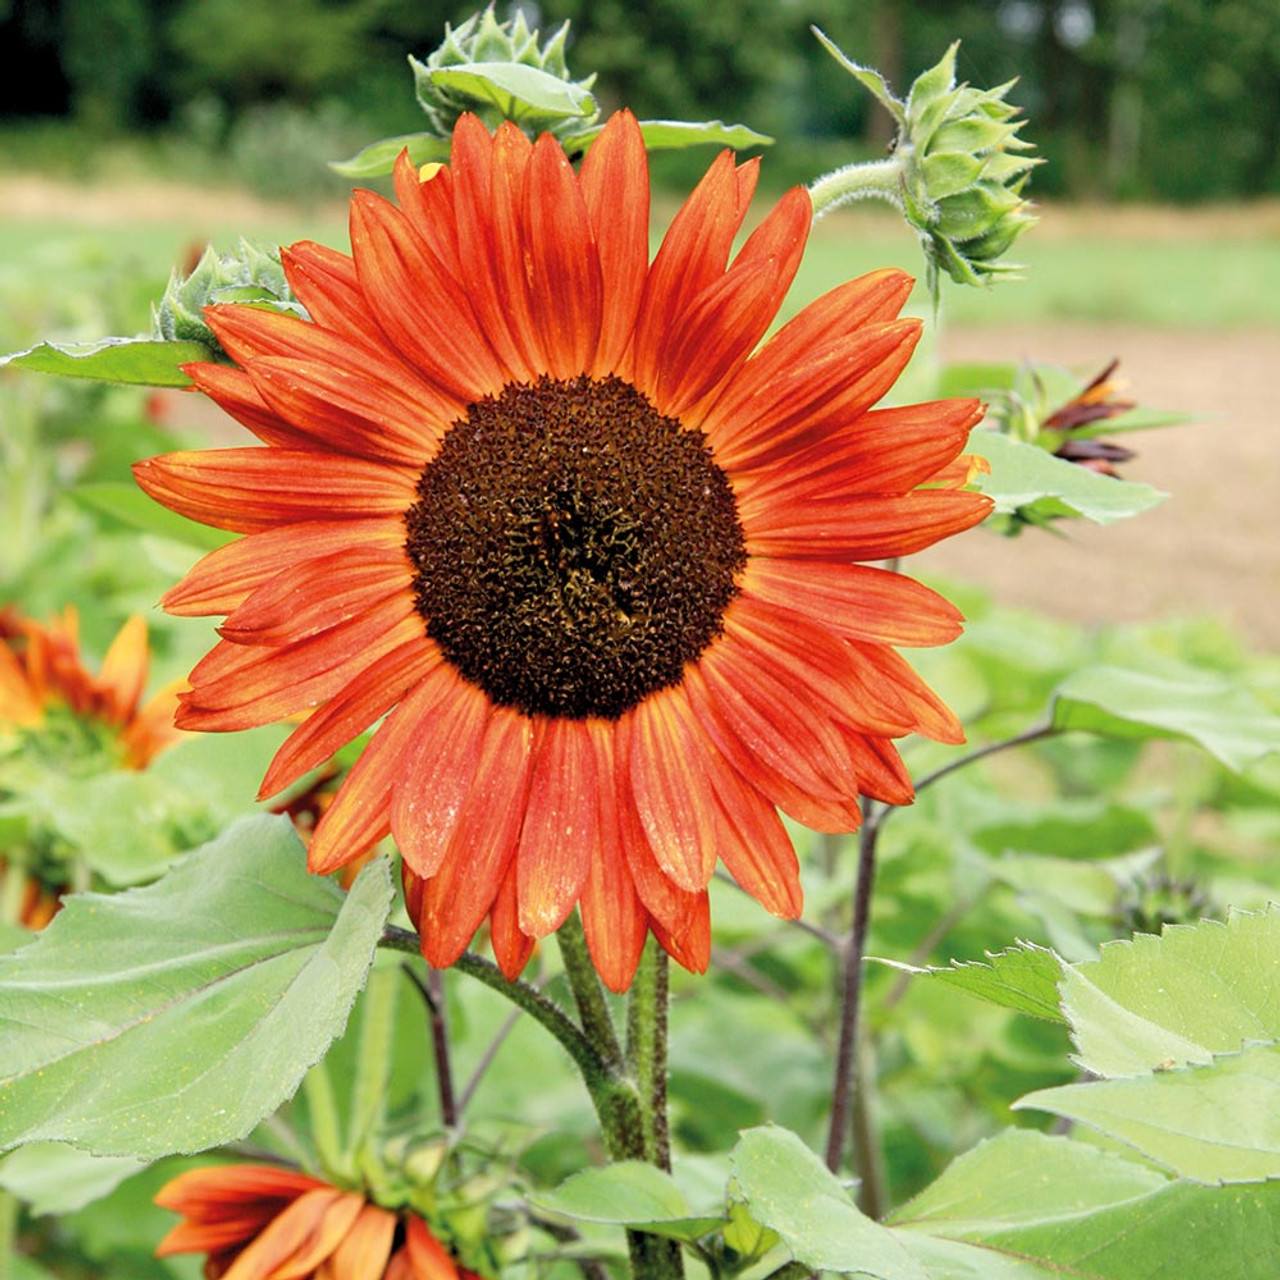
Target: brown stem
{"x":851,"y":986}
{"x":432,"y":991}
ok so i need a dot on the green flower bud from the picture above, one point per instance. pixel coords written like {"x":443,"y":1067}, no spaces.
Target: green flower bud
{"x":251,"y":275}
{"x":499,"y":71}
{"x":957,"y":170}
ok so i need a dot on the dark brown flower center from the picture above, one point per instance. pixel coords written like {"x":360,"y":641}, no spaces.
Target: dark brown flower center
{"x":573,"y":547}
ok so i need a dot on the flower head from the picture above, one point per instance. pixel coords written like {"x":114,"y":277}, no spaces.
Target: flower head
{"x":261,"y":1222}
{"x":56,"y":717}
{"x":1068,"y":429}
{"x":48,"y":696}
{"x":596,"y":558}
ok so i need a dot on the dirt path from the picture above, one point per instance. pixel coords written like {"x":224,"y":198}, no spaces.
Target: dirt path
{"x":1213,"y":549}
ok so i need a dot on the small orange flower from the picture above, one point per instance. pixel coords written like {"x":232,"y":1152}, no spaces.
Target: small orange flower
{"x":260,"y":1222}
{"x":1096,"y":403}
{"x":42,"y":673}
{"x":589,"y":550}
{"x":53,"y":708}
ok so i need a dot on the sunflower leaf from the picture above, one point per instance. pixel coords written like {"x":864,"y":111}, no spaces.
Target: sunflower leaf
{"x":175,"y":1017}
{"x":675,"y":135}
{"x":146,"y":362}
{"x":514,"y":89}
{"x":1025,"y":1206}
{"x":1216,"y":714}
{"x":786,"y":1187}
{"x":51,"y":1177}
{"x":1217,"y":1122}
{"x":1024,"y":977}
{"x":379,"y":158}
{"x":1023,"y":475}
{"x":630,"y":1194}
{"x":1195,"y":991}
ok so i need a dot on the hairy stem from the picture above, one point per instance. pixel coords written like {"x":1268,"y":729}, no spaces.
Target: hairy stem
{"x":588,"y":993}
{"x":874,"y":178}
{"x":647,"y":1049}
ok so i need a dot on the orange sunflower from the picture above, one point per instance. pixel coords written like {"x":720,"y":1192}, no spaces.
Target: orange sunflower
{"x":260,"y":1222}
{"x":545,"y":506}
{"x":43,"y":677}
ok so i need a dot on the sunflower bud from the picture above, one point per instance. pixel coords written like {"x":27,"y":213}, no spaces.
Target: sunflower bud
{"x":956,"y":171}
{"x":499,"y":71}
{"x":252,"y":274}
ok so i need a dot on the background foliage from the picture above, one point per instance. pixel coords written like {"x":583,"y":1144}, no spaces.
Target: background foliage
{"x":1166,"y":99}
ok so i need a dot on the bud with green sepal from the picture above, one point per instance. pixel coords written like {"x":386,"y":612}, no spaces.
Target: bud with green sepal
{"x":500,"y":71}
{"x":253,"y":274}
{"x":956,"y":171}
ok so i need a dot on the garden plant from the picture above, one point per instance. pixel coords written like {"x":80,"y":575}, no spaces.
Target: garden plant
{"x":520,"y":847}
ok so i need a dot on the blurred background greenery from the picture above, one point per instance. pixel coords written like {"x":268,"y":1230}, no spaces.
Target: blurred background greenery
{"x":1173,"y":100}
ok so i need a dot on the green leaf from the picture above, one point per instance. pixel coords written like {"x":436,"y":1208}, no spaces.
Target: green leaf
{"x":1220,"y":716}
{"x":674,"y":135}
{"x":145,"y":361}
{"x":127,"y":503}
{"x":50,"y":1177}
{"x":786,"y":1187}
{"x":1024,"y":1206}
{"x":1025,"y":977}
{"x":512,"y":86}
{"x":379,"y":158}
{"x":1024,"y":474}
{"x":869,"y":77}
{"x":631,"y":1194}
{"x":1214,"y":1123}
{"x":1196,"y":991}
{"x":176,"y":1017}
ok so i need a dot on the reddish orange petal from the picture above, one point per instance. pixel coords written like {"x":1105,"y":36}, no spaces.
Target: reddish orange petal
{"x":667,"y":766}
{"x":123,"y":674}
{"x":349,"y":713}
{"x":353,"y":412}
{"x":933,"y":718}
{"x":460,"y":895}
{"x":225,"y":577}
{"x":857,"y":601}
{"x":419,"y":305}
{"x":867,"y":528}
{"x":559,"y":826}
{"x":615,"y":187}
{"x":813,"y":800}
{"x":489,"y":239}
{"x":250,"y":490}
{"x":511,"y":947}
{"x":564,"y":269}
{"x":692,"y":256}
{"x":724,"y":323}
{"x":437,"y":772}
{"x":429,"y":206}
{"x":205,"y":1192}
{"x":296,"y":1242}
{"x":325,"y":282}
{"x":365,"y":1249}
{"x":427,"y":1256}
{"x":257,"y":685}
{"x":754,"y":845}
{"x":358,"y":816}
{"x":233,"y":392}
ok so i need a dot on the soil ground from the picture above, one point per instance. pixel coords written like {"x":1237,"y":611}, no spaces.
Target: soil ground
{"x":1213,"y":549}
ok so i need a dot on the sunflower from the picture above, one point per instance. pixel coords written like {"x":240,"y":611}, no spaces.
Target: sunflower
{"x":261,"y":1222}
{"x":57,"y":716}
{"x":544,"y":506}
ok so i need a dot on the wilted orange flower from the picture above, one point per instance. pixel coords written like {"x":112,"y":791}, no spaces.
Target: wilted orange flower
{"x":53,"y":708}
{"x":546,"y":504}
{"x":42,"y":675}
{"x":1097,"y":402}
{"x":259,"y":1222}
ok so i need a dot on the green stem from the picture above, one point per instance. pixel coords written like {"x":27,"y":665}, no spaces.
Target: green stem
{"x":588,"y":993}
{"x":8,"y":1231}
{"x":647,"y":1049}
{"x":322,"y":1115}
{"x":877,"y":178}
{"x":373,"y":1059}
